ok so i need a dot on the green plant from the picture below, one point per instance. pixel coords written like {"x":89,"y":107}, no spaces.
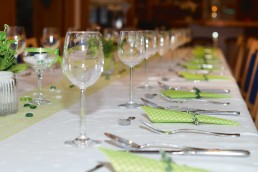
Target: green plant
{"x":108,"y":47}
{"x":7,"y":54}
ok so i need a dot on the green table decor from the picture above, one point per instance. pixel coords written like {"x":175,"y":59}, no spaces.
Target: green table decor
{"x":129,"y":162}
{"x":157,"y":115}
{"x":178,"y":94}
{"x":201,"y":77}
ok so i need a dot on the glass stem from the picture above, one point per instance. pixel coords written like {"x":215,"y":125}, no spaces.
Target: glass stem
{"x":40,"y":95}
{"x":161,"y":66}
{"x":83,"y":114}
{"x":131,"y":84}
{"x":145,"y":70}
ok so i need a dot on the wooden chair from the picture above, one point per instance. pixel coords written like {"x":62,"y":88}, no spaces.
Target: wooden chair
{"x":249,"y":64}
{"x":255,"y":112}
{"x":234,"y":47}
{"x":251,"y":97}
{"x":241,"y":58}
{"x":31,"y":42}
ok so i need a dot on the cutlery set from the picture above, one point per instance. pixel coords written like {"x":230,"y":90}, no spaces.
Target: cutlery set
{"x":131,"y":146}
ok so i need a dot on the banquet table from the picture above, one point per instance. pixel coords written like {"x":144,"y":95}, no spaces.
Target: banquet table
{"x":29,"y":144}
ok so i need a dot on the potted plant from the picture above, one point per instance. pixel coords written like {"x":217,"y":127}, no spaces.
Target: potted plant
{"x":8,"y":68}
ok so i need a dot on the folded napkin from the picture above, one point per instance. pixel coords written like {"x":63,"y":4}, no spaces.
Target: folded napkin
{"x":178,"y":94}
{"x":203,"y":77}
{"x":202,"y":52}
{"x":129,"y":162}
{"x":157,"y":115}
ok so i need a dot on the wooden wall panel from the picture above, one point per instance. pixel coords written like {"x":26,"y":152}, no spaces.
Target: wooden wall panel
{"x":7,"y":13}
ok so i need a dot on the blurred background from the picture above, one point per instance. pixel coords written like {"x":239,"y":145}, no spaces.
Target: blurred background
{"x":230,"y":18}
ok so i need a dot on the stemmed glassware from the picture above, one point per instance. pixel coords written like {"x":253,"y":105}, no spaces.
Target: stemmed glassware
{"x":82,"y":64}
{"x":131,"y":51}
{"x":39,"y":59}
{"x":163,"y":47}
{"x":151,"y":49}
{"x":50,"y":37}
{"x":18,"y":34}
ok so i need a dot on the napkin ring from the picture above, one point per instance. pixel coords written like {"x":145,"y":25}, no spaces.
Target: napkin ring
{"x":197,"y":92}
{"x":205,"y":77}
{"x":195,"y":119}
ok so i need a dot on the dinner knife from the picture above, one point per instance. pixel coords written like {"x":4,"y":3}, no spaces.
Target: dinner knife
{"x":166,"y":87}
{"x":197,"y":151}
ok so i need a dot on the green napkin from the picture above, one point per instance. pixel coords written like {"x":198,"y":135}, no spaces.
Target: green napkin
{"x":129,"y":162}
{"x":178,"y":94}
{"x":193,"y":76}
{"x":203,"y":52}
{"x":157,"y":115}
{"x":192,"y":66}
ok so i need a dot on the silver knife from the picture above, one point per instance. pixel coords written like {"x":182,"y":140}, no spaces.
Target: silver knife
{"x":197,"y":151}
{"x":166,"y":87}
{"x":184,"y":109}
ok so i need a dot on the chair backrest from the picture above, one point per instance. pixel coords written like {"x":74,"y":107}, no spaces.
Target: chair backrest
{"x":251,"y":98}
{"x":239,"y":53}
{"x":31,"y":42}
{"x":255,"y":112}
{"x":249,"y":67}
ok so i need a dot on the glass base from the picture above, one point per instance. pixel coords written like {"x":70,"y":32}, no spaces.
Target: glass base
{"x":130,"y":105}
{"x":82,"y":143}
{"x":146,"y":87}
{"x":41,"y":101}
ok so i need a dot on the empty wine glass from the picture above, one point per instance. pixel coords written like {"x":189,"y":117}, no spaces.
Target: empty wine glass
{"x":82,"y":64}
{"x":50,"y":37}
{"x":163,"y":47}
{"x":39,"y":59}
{"x":151,"y":48}
{"x":131,"y":51}
{"x":18,"y":34}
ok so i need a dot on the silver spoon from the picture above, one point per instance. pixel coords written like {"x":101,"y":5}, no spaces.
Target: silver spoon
{"x":188,"y":131}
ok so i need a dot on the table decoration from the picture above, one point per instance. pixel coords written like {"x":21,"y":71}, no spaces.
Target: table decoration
{"x":177,"y":94}
{"x":129,"y":162}
{"x":8,"y":68}
{"x":109,"y":48}
{"x":40,"y":59}
{"x":201,"y":77}
{"x":157,"y":115}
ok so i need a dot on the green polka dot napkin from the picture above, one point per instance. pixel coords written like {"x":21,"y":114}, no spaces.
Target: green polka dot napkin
{"x":129,"y":162}
{"x":192,"y":66}
{"x":178,"y":94}
{"x":157,"y":115}
{"x":202,"y":77}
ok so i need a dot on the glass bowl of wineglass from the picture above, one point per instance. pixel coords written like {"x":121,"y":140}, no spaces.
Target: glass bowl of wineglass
{"x":131,"y":51}
{"x":50,"y":38}
{"x":18,"y":34}
{"x":83,"y":61}
{"x":40,"y":59}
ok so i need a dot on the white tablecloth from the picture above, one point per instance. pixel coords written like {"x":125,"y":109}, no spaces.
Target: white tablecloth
{"x":41,"y":146}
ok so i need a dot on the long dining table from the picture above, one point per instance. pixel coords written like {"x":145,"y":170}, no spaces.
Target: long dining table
{"x":30,"y":144}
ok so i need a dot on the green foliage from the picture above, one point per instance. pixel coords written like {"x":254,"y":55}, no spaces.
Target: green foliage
{"x":166,"y":159}
{"x":7,"y":54}
{"x":108,"y":47}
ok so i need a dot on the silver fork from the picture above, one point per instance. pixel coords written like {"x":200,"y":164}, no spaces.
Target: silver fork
{"x":188,"y":131}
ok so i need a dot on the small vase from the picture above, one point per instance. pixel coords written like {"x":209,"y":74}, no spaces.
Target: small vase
{"x":8,"y":93}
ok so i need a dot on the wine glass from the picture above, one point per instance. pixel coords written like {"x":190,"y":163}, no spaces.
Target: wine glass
{"x":163,"y":47}
{"x":50,"y":37}
{"x":151,"y":48}
{"x":18,"y":34}
{"x":82,"y":64}
{"x":131,"y":51}
{"x":39,"y":59}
